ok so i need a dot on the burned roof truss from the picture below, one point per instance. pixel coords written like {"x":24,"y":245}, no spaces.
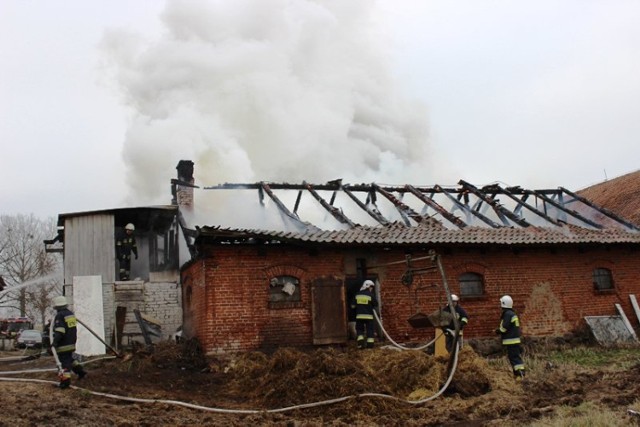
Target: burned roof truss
{"x":454,"y":207}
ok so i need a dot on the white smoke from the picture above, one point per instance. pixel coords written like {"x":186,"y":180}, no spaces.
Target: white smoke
{"x":274,"y":90}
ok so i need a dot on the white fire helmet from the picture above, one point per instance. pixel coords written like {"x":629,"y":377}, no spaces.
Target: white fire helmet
{"x":454,"y":298}
{"x":129,"y":227}
{"x":60,"y":301}
{"x":366,"y":285}
{"x":506,"y":302}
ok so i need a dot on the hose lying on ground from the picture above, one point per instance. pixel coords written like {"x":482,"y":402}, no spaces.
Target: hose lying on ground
{"x":247,"y":411}
{"x":453,"y":364}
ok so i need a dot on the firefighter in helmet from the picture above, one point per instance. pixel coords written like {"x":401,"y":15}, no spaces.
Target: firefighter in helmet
{"x":125,"y":246}
{"x":64,"y":342}
{"x":364,"y":303}
{"x":462,"y":317}
{"x":509,"y":330}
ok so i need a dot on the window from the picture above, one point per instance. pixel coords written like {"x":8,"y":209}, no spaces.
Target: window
{"x":163,"y":250}
{"x":284,"y":289}
{"x":471,"y":285}
{"x":602,"y":279}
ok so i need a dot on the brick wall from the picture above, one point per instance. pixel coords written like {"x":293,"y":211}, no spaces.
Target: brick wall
{"x":552,"y":290}
{"x":161,"y":301}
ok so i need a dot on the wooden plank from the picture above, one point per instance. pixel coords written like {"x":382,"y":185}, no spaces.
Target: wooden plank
{"x":116,"y":339}
{"x":634,"y":303}
{"x":128,"y":286}
{"x":89,"y":248}
{"x":626,"y":322}
{"x":329,"y":314}
{"x":145,"y":333}
{"x":126,"y":297}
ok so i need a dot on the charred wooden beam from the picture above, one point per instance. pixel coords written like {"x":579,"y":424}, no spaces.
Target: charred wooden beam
{"x":465,"y":208}
{"x":435,"y":206}
{"x":522,"y":203}
{"x":405,"y":211}
{"x":337,"y":214}
{"x":602,"y":210}
{"x":330,"y":186}
{"x":285,"y":211}
{"x":297,"y":205}
{"x":500,"y":210}
{"x":374,"y":213}
{"x":561,"y":207}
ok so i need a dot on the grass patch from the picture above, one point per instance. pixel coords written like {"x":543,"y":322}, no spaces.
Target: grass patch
{"x":596,"y":357}
{"x":586,"y":414}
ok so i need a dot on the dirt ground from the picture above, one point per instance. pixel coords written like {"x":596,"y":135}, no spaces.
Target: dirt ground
{"x":259,"y":389}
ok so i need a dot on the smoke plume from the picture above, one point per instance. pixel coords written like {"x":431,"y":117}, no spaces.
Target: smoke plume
{"x":274,"y":90}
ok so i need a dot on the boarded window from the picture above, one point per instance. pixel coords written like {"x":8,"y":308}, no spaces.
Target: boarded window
{"x":471,"y":284}
{"x":602,"y":279}
{"x":284,"y":289}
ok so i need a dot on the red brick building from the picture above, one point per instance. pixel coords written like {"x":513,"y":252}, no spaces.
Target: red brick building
{"x":559,"y":256}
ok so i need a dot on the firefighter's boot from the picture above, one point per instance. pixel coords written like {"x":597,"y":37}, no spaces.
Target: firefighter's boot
{"x":65,"y":379}
{"x":79,"y":371}
{"x":360,"y":341}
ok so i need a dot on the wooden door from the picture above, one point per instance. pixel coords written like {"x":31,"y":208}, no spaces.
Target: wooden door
{"x":329,"y":316}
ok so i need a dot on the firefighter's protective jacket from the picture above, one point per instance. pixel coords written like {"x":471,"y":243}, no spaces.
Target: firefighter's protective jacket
{"x":461,"y":314}
{"x":64,"y":331}
{"x":509,"y":327}
{"x":125,"y":245}
{"x":365,"y":301}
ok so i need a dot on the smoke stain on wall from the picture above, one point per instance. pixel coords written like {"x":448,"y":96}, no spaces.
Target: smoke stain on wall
{"x":543,"y":313}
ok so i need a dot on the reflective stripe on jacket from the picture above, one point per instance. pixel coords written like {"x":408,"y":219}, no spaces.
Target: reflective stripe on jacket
{"x":365,"y":302}
{"x":65,"y":331}
{"x":509,"y":327}
{"x":461,"y":314}
{"x":125,"y":245}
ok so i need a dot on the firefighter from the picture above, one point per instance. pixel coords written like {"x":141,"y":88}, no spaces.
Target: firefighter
{"x":509,"y":330}
{"x":364,"y":303}
{"x":125,"y":245}
{"x":64,"y":342}
{"x":462,"y":317}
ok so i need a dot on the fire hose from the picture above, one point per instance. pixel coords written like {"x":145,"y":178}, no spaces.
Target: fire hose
{"x":55,"y":353}
{"x":253,"y":411}
{"x":453,"y":363}
{"x":53,"y":350}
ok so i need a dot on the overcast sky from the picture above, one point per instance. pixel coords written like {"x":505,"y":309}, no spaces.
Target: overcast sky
{"x":99,"y":100}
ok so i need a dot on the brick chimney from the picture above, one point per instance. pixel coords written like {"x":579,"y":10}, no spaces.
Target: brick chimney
{"x":184,"y":193}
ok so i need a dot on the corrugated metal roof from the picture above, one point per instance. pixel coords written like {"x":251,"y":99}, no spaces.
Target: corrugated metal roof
{"x":433,"y":233}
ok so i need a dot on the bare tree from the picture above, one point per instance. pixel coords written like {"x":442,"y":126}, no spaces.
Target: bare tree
{"x":29,"y":272}
{"x":39,"y":300}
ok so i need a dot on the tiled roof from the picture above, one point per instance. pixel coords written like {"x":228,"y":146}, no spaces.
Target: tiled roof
{"x":620,"y":195}
{"x":402,"y":235}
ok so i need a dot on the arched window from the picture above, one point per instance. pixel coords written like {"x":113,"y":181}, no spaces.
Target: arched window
{"x":602,"y":279}
{"x":284,"y":288}
{"x":471,"y":284}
